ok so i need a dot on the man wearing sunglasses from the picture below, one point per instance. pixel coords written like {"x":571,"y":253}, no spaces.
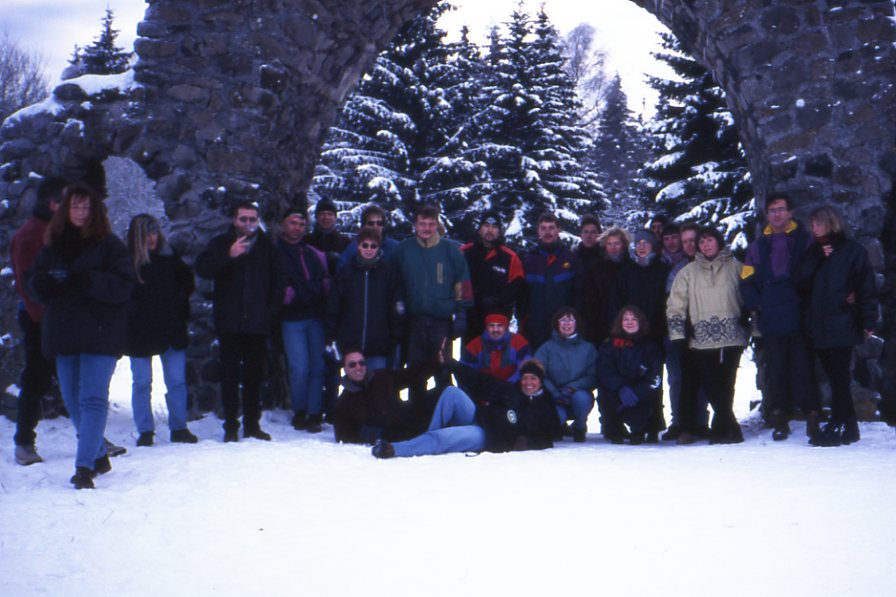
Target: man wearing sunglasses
{"x":370,"y":408}
{"x":241,"y":264}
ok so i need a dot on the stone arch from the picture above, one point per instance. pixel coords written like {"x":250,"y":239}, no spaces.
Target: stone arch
{"x":230,"y":100}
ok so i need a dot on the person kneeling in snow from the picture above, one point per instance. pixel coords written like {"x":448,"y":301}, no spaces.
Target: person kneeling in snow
{"x":492,"y":415}
{"x":628,"y":375}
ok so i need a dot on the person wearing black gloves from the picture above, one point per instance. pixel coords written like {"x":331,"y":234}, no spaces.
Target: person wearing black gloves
{"x":487,"y":414}
{"x":628,"y":375}
{"x":84,"y":277}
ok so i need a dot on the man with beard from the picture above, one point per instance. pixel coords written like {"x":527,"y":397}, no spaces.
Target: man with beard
{"x":496,"y":275}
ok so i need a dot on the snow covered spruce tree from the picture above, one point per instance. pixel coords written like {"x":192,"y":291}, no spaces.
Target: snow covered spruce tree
{"x":102,"y":57}
{"x":619,"y":152}
{"x":699,"y":172}
{"x":391,"y":142}
{"x":527,"y":132}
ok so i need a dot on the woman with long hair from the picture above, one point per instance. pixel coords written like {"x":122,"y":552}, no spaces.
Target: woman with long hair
{"x":84,"y":278}
{"x":629,"y":371}
{"x":157,"y":325}
{"x":840,"y":310}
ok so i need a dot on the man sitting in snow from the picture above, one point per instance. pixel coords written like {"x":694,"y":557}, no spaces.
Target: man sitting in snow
{"x":370,"y":408}
{"x":497,"y":352}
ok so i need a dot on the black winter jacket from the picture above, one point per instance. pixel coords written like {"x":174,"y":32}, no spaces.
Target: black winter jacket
{"x":496,"y":274}
{"x":637,"y":364}
{"x":86,"y":313}
{"x":365,"y":309}
{"x":825,"y":282}
{"x":645,"y":288}
{"x":600,"y":301}
{"x":247,"y":290}
{"x":304,"y":269}
{"x":511,"y":419}
{"x":160,"y":306}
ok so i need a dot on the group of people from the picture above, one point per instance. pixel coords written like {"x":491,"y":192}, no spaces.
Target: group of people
{"x":605,"y":318}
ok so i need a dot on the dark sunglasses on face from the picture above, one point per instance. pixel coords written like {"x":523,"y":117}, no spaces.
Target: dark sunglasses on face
{"x":369,"y":246}
{"x":353,"y":364}
{"x":374,"y":223}
{"x":245,"y":219}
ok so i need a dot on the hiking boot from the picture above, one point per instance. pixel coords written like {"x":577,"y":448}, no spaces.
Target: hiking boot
{"x":578,"y":435}
{"x":146,"y":439}
{"x":636,"y":439}
{"x":685,"y":439}
{"x":671,"y":434}
{"x":83,"y":478}
{"x":829,"y":436}
{"x":257,"y":433}
{"x":231,"y":435}
{"x":112,"y":450}
{"x":382,"y":449}
{"x":183,"y":436}
{"x":313,"y":424}
{"x":101,"y":465}
{"x":27,"y":455}
{"x":298,"y":421}
{"x":850,"y":432}
{"x":653,"y":437}
{"x":781,"y":426}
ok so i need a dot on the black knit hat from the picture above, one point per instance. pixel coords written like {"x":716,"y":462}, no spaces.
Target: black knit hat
{"x":490,"y":217}
{"x":533,"y":366}
{"x":324,"y":205}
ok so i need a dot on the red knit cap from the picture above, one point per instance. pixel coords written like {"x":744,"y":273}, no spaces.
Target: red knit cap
{"x":497,"y":318}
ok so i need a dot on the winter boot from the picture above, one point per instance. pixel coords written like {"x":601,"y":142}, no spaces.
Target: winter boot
{"x":685,"y":439}
{"x":112,"y":450}
{"x":183,"y":436}
{"x":231,"y":435}
{"x":313,"y":424}
{"x":578,"y":435}
{"x":257,"y":433}
{"x":850,"y":432}
{"x":298,"y":421}
{"x":829,"y":436}
{"x":781,"y":426}
{"x":146,"y":439}
{"x":813,"y":424}
{"x":382,"y":449}
{"x":671,"y":434}
{"x":101,"y":465}
{"x":83,"y":478}
{"x":27,"y":455}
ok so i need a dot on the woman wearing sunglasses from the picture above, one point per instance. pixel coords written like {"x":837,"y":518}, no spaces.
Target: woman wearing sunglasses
{"x":366,"y":305}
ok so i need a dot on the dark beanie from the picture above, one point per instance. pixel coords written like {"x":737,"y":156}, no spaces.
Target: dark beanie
{"x":324,"y":205}
{"x":534,"y":367}
{"x":490,"y":217}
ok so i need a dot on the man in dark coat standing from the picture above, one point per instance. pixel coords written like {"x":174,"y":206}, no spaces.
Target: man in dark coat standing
{"x":241,"y":263}
{"x":553,"y":279}
{"x":496,"y":274}
{"x":37,"y":375}
{"x":767,"y":288}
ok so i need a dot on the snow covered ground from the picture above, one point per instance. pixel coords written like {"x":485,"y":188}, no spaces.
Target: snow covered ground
{"x":302,"y":515}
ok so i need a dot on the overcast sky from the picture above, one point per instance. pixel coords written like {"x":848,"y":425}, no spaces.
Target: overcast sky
{"x":627,"y":32}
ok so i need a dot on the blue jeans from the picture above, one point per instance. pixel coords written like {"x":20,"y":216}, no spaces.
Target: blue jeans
{"x":84,"y":384}
{"x":174,"y":364}
{"x":580,"y":404}
{"x":453,"y":428}
{"x":304,"y":344}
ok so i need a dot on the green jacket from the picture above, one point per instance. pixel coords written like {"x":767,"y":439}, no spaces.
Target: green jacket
{"x":436,"y":278}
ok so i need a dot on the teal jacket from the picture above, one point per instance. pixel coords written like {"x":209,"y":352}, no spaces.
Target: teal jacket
{"x":436,"y":277}
{"x":568,"y":362}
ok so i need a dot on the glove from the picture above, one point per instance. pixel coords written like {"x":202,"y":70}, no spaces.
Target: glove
{"x":459,"y":325}
{"x":565,"y":396}
{"x":289,"y":295}
{"x":628,"y":397}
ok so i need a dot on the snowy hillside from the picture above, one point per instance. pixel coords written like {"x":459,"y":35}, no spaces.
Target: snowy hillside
{"x":302,"y":515}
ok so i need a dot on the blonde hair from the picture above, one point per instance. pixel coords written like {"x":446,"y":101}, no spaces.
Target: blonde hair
{"x":615,"y":231}
{"x":830,"y":217}
{"x":141,"y":226}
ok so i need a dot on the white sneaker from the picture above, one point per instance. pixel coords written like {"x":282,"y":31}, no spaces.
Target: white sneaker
{"x":26,"y":455}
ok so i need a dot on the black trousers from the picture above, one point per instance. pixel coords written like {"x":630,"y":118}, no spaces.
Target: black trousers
{"x":789,"y":381}
{"x":242,"y":365}
{"x":714,"y":371}
{"x":36,"y":381}
{"x":836,"y":364}
{"x":425,"y":337}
